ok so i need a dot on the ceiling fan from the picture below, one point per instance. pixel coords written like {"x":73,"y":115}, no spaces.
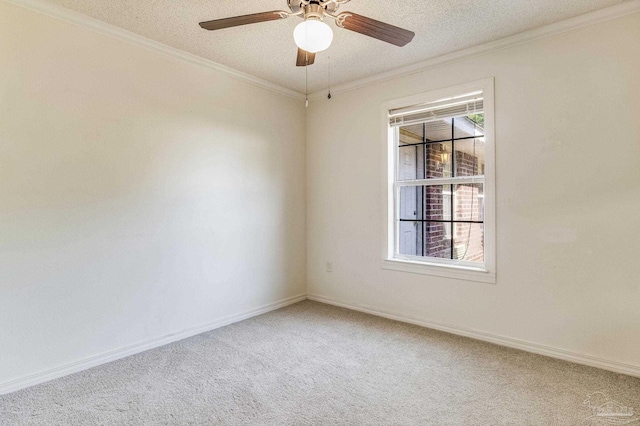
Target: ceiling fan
{"x":313,"y":35}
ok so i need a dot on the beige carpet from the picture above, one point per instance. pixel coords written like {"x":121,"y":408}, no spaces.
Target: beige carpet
{"x":311,"y":364}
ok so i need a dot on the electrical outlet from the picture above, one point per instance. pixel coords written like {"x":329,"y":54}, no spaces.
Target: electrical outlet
{"x":329,"y":266}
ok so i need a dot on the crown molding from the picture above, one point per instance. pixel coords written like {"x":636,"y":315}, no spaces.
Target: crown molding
{"x":591,"y":18}
{"x":75,"y":18}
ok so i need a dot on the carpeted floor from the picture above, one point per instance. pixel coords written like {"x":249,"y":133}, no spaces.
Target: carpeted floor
{"x":311,"y":364}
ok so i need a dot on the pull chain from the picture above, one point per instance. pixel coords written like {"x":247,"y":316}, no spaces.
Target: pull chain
{"x":329,"y":94}
{"x":306,"y":86}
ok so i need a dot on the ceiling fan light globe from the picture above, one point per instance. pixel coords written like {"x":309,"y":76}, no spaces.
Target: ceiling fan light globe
{"x":313,"y":35}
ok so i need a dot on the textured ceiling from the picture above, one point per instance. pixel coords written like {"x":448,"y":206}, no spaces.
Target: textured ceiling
{"x":267,"y":49}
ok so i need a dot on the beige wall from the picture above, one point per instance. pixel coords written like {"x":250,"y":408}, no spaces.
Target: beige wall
{"x":140,"y":195}
{"x":568,"y":197}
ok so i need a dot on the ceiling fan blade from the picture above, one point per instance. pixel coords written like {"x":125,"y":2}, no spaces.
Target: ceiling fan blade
{"x":305,"y":58}
{"x":219,"y":24}
{"x":376,"y":29}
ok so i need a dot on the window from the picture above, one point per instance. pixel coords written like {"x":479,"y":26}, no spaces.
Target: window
{"x":438,"y":190}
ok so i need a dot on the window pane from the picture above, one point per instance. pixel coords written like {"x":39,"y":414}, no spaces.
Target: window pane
{"x":437,"y":204}
{"x":410,"y":238}
{"x":411,"y":162}
{"x":438,"y":160}
{"x":464,"y":127}
{"x":469,"y":242}
{"x":429,"y":202}
{"x":411,"y":202}
{"x":438,"y":130}
{"x":468,"y":202}
{"x":411,"y":134}
{"x":438,"y":239}
{"x":469,"y":159}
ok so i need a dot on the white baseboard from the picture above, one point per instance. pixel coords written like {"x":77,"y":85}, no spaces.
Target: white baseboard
{"x":591,"y":361}
{"x":93,"y":361}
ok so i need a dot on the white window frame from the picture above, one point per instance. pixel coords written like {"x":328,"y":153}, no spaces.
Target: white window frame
{"x":483,"y":273}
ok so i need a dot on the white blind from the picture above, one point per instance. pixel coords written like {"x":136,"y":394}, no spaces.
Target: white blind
{"x":471,"y":103}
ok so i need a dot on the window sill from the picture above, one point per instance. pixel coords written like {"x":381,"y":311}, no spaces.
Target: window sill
{"x":446,"y":271}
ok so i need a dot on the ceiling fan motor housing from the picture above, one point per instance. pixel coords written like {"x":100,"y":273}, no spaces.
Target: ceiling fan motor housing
{"x":299,"y":6}
{"x":313,"y":11}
